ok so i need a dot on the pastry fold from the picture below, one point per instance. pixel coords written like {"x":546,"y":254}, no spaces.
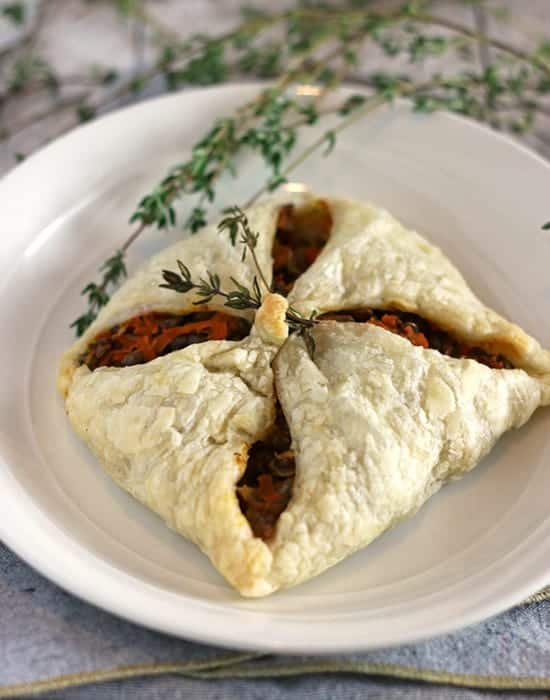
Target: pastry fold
{"x":175,"y":433}
{"x":377,"y":424}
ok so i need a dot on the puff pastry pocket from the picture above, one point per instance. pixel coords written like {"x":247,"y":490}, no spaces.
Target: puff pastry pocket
{"x":372,"y":260}
{"x":175,"y":433}
{"x":277,"y":464}
{"x":379,"y":425}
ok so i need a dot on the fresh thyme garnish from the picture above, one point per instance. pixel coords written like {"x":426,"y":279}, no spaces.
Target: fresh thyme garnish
{"x":208,"y":288}
{"x":546,"y":226}
{"x":236,"y":222}
{"x":316,"y":46}
{"x":240,"y":298}
{"x":302,"y":326}
{"x":14,"y":11}
{"x":97,"y":295}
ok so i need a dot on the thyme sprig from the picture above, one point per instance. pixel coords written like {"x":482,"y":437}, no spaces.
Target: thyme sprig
{"x":237,"y":225}
{"x":209,"y":287}
{"x":240,"y":298}
{"x":97,"y":295}
{"x":316,"y":43}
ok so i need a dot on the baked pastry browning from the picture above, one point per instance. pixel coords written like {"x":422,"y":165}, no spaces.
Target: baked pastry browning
{"x":278,"y":462}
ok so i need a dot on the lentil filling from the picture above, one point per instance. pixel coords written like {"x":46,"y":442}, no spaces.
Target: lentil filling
{"x":419,"y":332}
{"x":266,"y":485}
{"x":302,"y":233}
{"x":147,"y":336}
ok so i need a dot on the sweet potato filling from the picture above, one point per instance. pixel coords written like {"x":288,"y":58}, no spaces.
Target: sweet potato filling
{"x":302,"y":232}
{"x":419,"y":332}
{"x":145,"y":337}
{"x":266,"y":485}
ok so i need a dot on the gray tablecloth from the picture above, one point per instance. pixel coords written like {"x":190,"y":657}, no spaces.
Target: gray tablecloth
{"x":53,"y":643}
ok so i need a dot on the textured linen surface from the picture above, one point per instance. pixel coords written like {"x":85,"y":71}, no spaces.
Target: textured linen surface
{"x":46,"y":633}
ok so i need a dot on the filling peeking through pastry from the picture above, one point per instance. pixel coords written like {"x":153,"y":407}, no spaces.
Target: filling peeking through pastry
{"x":265,"y":488}
{"x":419,"y":332}
{"x":147,"y":336}
{"x":266,"y":485}
{"x":302,"y":232}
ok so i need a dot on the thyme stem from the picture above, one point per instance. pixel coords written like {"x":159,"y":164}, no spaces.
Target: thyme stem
{"x":504,"y":46}
{"x":504,"y":93}
{"x":260,"y":271}
{"x":480,"y":18}
{"x":372,"y":104}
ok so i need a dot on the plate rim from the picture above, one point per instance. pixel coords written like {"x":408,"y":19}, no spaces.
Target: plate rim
{"x":97,"y":595}
{"x":100,"y":595}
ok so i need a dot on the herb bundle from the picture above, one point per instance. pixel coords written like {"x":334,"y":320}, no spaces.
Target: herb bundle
{"x":314,"y":46}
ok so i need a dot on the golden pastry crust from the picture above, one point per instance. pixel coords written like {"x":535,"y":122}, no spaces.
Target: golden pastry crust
{"x":175,"y":432}
{"x":378,"y":426}
{"x":372,"y":260}
{"x":141,"y":293}
{"x":270,"y":319}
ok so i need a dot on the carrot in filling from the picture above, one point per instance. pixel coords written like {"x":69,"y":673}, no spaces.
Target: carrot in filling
{"x":266,"y":485}
{"x":302,"y":232}
{"x":147,"y":336}
{"x":419,"y":332}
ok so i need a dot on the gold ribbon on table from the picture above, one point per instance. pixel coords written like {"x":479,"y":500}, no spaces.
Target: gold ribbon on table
{"x":239,"y":665}
{"x":538,"y":597}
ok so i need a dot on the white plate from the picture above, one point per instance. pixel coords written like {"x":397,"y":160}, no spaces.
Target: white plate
{"x":479,"y":546}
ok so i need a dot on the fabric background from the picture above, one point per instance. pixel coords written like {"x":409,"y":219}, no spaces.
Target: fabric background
{"x":47,"y":634}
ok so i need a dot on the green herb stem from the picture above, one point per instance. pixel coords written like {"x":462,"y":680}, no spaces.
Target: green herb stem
{"x":504,"y":46}
{"x":371,"y":105}
{"x":268,"y":125}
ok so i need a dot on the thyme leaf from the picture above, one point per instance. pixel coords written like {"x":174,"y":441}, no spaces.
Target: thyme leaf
{"x":209,"y":287}
{"x":235,"y":223}
{"x":15,"y":12}
{"x":112,"y":271}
